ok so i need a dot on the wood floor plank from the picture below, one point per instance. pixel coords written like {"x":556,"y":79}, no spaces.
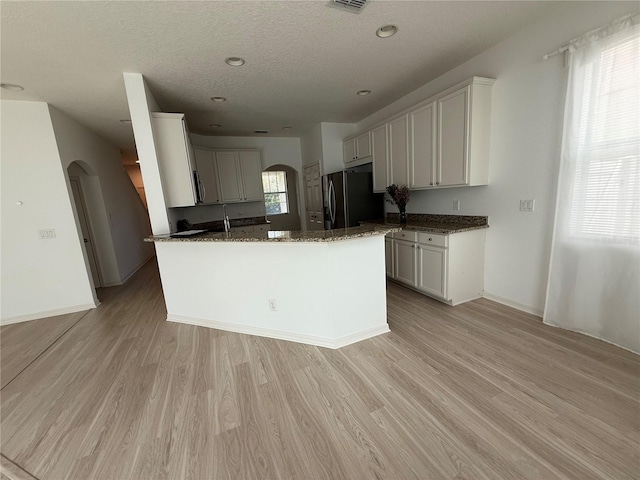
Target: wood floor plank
{"x":479,"y":391}
{"x":22,"y":343}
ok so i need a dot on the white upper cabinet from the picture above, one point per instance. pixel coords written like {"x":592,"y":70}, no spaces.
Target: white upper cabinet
{"x":380,"y":158}
{"x":423,"y":142}
{"x":453,"y":138}
{"x":349,"y":150}
{"x":363,"y":145}
{"x":357,"y":149}
{"x":175,"y":159}
{"x":205,"y":164}
{"x":399,"y":150}
{"x":441,"y":142}
{"x":251,"y":175}
{"x":240,"y":175}
{"x":228,"y":167}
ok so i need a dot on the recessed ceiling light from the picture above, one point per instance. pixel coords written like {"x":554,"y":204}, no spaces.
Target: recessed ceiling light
{"x":12,"y":86}
{"x":125,"y":120}
{"x":387,"y":31}
{"x":218,"y":99}
{"x":362,"y":93}
{"x":215,"y":125}
{"x":286,"y":128}
{"x":234,"y":61}
{"x":261,"y":131}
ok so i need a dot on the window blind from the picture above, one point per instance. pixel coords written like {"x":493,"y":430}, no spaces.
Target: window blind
{"x":606,"y":190}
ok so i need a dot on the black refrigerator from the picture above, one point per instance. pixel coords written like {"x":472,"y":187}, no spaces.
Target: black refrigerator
{"x":349,"y":198}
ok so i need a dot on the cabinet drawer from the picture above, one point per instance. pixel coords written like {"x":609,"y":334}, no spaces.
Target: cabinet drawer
{"x":407,"y":235}
{"x":434,"y":239}
{"x":262,"y":228}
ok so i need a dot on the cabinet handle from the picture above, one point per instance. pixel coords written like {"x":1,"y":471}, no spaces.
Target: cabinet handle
{"x":430,"y":183}
{"x":418,"y":247}
{"x":430,"y":239}
{"x":437,"y":183}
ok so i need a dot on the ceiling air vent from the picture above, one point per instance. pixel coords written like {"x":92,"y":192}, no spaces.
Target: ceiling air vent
{"x":352,"y":5}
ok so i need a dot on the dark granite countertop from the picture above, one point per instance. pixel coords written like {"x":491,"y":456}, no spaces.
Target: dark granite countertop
{"x":284,"y":236}
{"x":443,"y":224}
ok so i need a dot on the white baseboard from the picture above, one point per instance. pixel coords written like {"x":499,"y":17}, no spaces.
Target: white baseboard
{"x":47,"y":313}
{"x":282,"y":335}
{"x":513,"y":304}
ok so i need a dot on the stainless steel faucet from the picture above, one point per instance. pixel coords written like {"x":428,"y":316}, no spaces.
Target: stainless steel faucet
{"x":227,"y":223}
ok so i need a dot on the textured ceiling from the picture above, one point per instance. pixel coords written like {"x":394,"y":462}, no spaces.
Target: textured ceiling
{"x":304,"y":60}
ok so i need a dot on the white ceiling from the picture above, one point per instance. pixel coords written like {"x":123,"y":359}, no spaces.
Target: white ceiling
{"x":304,"y":60}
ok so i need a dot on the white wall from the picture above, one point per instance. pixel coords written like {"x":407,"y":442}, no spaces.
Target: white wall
{"x":118,"y":218}
{"x":204,"y":284}
{"x":323,"y":144}
{"x":526,"y":123}
{"x":332,"y":135}
{"x":141,"y":103}
{"x":39,"y":277}
{"x":311,"y":146}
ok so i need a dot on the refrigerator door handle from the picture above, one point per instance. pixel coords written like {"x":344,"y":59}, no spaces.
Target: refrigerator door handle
{"x":332,"y":209}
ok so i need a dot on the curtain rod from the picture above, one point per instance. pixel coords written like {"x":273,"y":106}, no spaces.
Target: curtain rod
{"x":635,"y":16}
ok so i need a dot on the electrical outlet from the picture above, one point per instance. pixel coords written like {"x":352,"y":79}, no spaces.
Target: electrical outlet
{"x":46,"y":234}
{"x":527,"y":205}
{"x":272,"y":305}
{"x":456,"y":204}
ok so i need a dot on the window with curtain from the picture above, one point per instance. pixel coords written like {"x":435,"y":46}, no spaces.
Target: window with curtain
{"x":606,"y":191}
{"x":594,"y":272}
{"x":274,"y":185}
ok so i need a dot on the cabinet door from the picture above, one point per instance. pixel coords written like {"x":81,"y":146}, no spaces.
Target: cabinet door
{"x":205,"y":164}
{"x":251,"y":174}
{"x":313,"y":197}
{"x":349,"y":150}
{"x":423,"y":142}
{"x":175,"y":164}
{"x":453,"y":138}
{"x":405,"y":262}
{"x":363,"y":145}
{"x":388,"y":256}
{"x":228,"y":168}
{"x":432,"y":269}
{"x":380,"y":158}
{"x":399,"y":150}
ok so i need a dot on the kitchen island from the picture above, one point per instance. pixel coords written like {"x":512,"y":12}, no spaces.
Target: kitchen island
{"x":324,"y":288}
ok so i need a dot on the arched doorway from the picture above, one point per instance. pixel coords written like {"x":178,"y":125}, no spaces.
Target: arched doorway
{"x":291,"y":219}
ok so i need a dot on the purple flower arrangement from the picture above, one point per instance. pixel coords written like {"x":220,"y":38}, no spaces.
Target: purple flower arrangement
{"x":399,"y":195}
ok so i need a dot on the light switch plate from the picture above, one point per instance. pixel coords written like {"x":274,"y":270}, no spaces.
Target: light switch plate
{"x":46,"y":234}
{"x":527,"y":205}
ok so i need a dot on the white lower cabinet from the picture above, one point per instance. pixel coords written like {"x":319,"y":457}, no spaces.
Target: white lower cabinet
{"x":449,"y":268}
{"x":432,"y":269}
{"x":405,"y":262}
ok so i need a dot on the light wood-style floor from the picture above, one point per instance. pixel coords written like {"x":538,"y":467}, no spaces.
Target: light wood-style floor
{"x":479,"y":391}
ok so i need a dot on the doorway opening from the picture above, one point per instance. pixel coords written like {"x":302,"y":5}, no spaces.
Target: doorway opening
{"x":81,"y":187}
{"x":281,"y":197}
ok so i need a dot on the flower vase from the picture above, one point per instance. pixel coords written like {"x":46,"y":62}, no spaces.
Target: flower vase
{"x":403,"y":215}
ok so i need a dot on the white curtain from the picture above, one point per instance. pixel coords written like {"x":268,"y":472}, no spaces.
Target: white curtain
{"x":594,"y":277}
